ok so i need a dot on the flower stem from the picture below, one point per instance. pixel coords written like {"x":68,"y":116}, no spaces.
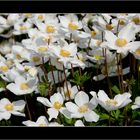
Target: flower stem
{"x":66,"y":81}
{"x":28,"y":110}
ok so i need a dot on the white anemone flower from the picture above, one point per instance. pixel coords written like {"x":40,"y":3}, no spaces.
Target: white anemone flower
{"x":136,"y":103}
{"x":21,"y":27}
{"x":3,"y":68}
{"x":23,"y":86}
{"x":82,"y":108}
{"x":41,"y":122}
{"x":50,"y":26}
{"x":119,"y":100}
{"x":79,"y":123}
{"x":7,"y":108}
{"x":70,"y":23}
{"x":55,"y":105}
{"x":64,"y":53}
{"x":124,"y":41}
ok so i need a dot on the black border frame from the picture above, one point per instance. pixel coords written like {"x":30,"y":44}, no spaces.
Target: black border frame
{"x":77,"y":6}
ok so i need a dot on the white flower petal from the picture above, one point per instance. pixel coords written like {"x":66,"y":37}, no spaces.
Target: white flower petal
{"x":71,"y":107}
{"x":19,"y":105}
{"x":81,"y":98}
{"x":29,"y":123}
{"x":53,"y":113}
{"x":127,"y":32}
{"x":79,"y":123}
{"x":44,"y":101}
{"x":102,"y":96}
{"x":42,"y":120}
{"x":91,"y":116}
{"x":57,"y":97}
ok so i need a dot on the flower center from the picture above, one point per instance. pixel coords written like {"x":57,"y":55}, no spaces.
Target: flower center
{"x":40,"y":17}
{"x":93,"y":33}
{"x":24,"y":86}
{"x":121,"y":42}
{"x":28,"y":14}
{"x":136,"y":20}
{"x":67,"y":93}
{"x":72,"y":26}
{"x":23,"y":28}
{"x":98,"y":57}
{"x":42,"y":49}
{"x":81,"y":58}
{"x":111,"y":102}
{"x":64,"y":53}
{"x":42,"y":125}
{"x":137,"y":51}
{"x":109,"y":27}
{"x":83,"y":109}
{"x":57,"y":105}
{"x":9,"y":107}
{"x":50,"y":29}
{"x":36,"y":59}
{"x":98,"y":42}
{"x":4,"y":68}
{"x":18,"y":56}
{"x":122,"y":22}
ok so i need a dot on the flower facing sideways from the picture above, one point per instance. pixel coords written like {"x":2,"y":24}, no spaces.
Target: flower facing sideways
{"x":22,"y":86}
{"x":119,"y":100}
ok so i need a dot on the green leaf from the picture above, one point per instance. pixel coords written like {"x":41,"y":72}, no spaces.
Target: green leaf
{"x":116,"y":89}
{"x":2,"y":84}
{"x":43,"y":88}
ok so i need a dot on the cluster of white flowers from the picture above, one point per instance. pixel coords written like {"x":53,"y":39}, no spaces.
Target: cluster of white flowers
{"x":31,"y":42}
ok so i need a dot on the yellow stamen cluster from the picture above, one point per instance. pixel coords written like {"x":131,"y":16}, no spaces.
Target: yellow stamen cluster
{"x":83,"y":109}
{"x":121,"y":22}
{"x":109,"y":27}
{"x":64,"y":53}
{"x":18,"y":56}
{"x":137,"y":52}
{"x":50,"y":29}
{"x":28,"y":14}
{"x":136,"y":20}
{"x":42,"y":125}
{"x":93,"y":33}
{"x":4,"y":68}
{"x":23,"y":28}
{"x":42,"y":49}
{"x":36,"y":59}
{"x":57,"y":105}
{"x":40,"y":17}
{"x":24,"y":86}
{"x":111,"y":102}
{"x":72,"y":26}
{"x":9,"y":107}
{"x":121,"y":42}
{"x":98,"y":57}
